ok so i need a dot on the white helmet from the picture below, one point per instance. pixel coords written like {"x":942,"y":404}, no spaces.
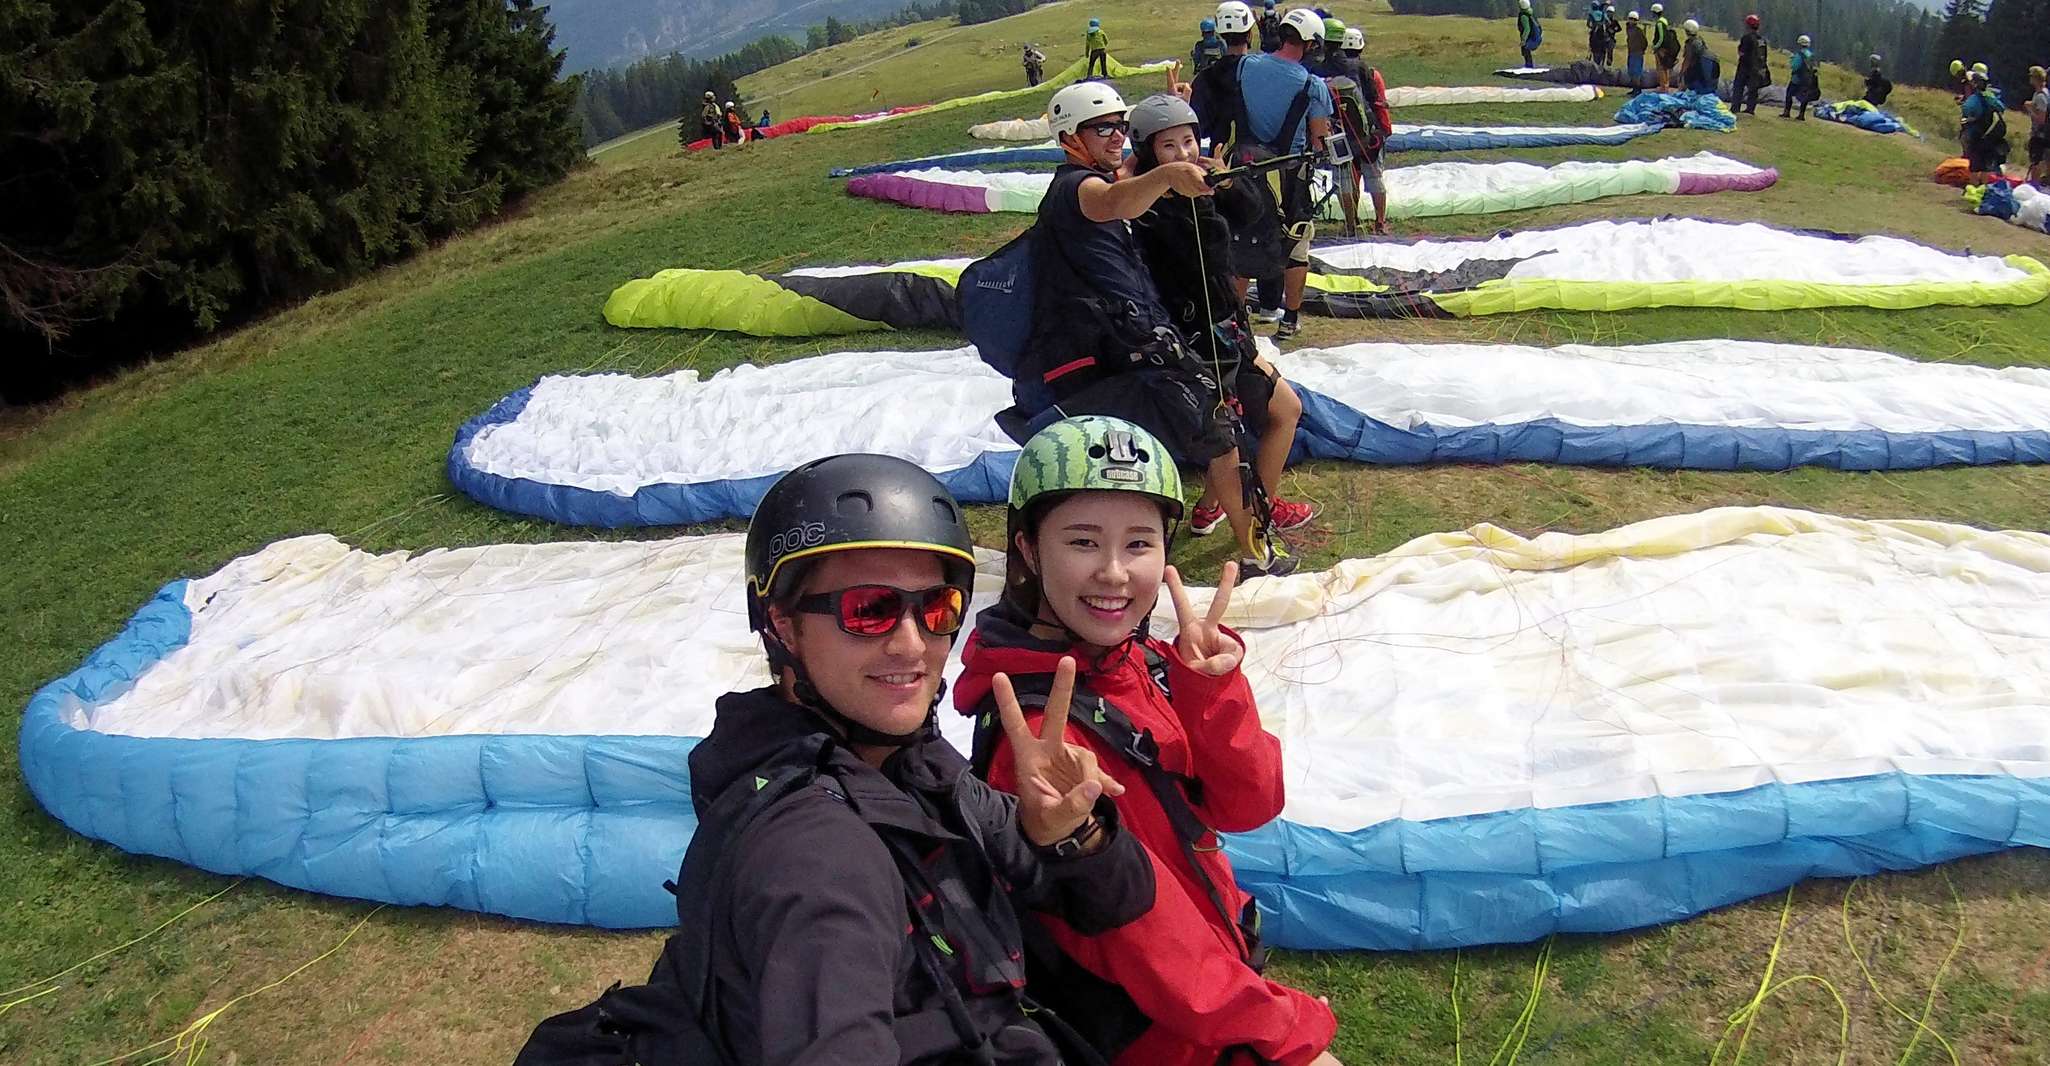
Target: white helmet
{"x":1234,"y":17}
{"x":1803,"y":41}
{"x":1355,"y":39}
{"x":1080,"y":102}
{"x":1692,"y":27}
{"x":1634,"y":14}
{"x":1658,"y":9}
{"x":1524,"y":4}
{"x":1307,"y":23}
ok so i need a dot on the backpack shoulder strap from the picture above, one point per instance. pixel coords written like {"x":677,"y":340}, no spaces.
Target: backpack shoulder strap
{"x":1110,"y":724}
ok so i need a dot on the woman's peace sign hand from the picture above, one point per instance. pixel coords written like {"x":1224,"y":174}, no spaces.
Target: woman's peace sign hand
{"x":1203,"y":644}
{"x":1058,"y":782}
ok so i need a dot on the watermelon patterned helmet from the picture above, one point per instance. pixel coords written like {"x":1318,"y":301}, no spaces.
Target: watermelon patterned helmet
{"x":1094,"y":453}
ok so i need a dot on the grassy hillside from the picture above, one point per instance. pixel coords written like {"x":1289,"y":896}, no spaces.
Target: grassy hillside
{"x":336,"y":416}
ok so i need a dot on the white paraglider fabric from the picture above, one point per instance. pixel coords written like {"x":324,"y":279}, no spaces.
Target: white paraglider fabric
{"x":1036,"y":129}
{"x":610,"y":449}
{"x":618,"y":433}
{"x":1424,"y":190}
{"x":1684,"y":249}
{"x":1430,"y":95}
{"x":1703,"y":383}
{"x":1485,"y":737}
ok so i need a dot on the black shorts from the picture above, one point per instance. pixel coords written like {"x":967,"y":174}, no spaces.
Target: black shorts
{"x":1180,"y":408}
{"x":1254,"y":392}
{"x":2039,"y":145}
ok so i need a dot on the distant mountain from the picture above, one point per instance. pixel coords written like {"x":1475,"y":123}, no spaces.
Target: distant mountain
{"x":612,"y":33}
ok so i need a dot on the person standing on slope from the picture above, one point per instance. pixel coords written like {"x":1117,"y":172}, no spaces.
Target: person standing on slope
{"x":710,"y":120}
{"x":1097,"y":44}
{"x":1665,"y":47}
{"x":1093,"y":506}
{"x":1754,"y":70}
{"x":1035,"y":64}
{"x":1804,"y":79}
{"x":1283,"y":109}
{"x":1528,"y":33}
{"x":1375,"y":122}
{"x":1698,"y":65}
{"x":1270,"y":28}
{"x":1982,"y":125}
{"x":1634,"y":41}
{"x":1878,"y":87}
{"x":2039,"y":126}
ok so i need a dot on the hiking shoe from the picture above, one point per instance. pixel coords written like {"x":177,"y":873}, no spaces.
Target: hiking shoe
{"x":1291,"y":324}
{"x":1265,"y":316}
{"x":1204,"y":521}
{"x":1290,"y":514}
{"x":1279,"y":563}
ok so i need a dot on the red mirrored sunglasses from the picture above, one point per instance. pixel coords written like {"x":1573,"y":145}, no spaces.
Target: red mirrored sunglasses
{"x":875,"y":610}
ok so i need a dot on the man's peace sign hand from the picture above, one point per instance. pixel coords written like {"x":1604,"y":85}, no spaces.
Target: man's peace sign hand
{"x":1203,"y":644}
{"x":1058,"y":782}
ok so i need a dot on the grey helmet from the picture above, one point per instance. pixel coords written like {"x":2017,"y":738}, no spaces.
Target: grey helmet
{"x":1161,"y":111}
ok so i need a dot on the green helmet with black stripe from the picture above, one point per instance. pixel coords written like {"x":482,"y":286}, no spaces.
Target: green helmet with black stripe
{"x":1095,"y":453}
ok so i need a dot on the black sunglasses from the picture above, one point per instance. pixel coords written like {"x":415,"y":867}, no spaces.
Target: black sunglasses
{"x":875,"y":610}
{"x":1105,"y":129}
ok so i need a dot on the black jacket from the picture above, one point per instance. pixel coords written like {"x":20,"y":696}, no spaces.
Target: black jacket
{"x":1184,"y":265}
{"x":815,"y":960}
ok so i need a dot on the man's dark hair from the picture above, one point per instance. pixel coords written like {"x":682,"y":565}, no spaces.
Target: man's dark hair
{"x":1245,"y":39}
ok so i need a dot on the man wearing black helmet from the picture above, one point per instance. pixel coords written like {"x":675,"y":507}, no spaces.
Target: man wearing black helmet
{"x":848,"y":895}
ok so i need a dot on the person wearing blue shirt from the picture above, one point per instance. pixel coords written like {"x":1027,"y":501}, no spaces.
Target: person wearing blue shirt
{"x":1272,"y":88}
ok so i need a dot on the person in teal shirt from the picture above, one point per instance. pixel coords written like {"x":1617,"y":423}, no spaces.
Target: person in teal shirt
{"x":1983,"y":123}
{"x":1097,"y":43}
{"x":1804,"y":81}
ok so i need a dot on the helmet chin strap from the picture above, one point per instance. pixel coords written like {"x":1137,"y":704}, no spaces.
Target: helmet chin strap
{"x":809,"y":697}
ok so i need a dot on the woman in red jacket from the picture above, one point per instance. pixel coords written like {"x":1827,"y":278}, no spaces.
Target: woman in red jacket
{"x":1094,"y":502}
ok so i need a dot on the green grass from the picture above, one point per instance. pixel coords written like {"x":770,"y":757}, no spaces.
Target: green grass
{"x":336,"y":416}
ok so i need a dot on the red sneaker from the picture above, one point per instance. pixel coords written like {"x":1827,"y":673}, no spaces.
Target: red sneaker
{"x":1288,"y":514}
{"x":1204,"y":521}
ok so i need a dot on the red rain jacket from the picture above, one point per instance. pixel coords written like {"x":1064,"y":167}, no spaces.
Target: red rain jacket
{"x":1181,"y":963}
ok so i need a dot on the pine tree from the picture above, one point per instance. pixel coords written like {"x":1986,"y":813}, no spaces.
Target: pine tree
{"x":175,"y":168}
{"x":1963,"y":37}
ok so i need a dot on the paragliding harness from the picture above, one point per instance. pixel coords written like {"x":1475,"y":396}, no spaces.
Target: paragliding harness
{"x":1099,"y":1009}
{"x":1992,"y":128}
{"x":673,"y":1017}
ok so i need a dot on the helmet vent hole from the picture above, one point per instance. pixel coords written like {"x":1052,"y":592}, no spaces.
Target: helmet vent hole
{"x":946,"y":509}
{"x":854,"y":503}
{"x":1096,"y":451}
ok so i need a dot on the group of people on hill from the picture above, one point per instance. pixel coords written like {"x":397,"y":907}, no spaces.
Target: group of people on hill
{"x":726,"y":125}
{"x":1982,"y":123}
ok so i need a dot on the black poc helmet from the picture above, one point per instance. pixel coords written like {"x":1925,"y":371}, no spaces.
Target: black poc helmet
{"x":845,"y":502}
